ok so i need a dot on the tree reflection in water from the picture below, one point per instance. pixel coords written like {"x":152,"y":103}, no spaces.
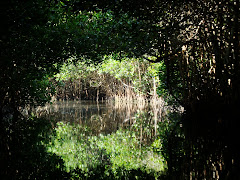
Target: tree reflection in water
{"x":190,"y":154}
{"x":105,"y":117}
{"x":201,"y":153}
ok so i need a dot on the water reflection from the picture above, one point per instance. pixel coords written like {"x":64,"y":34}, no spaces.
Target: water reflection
{"x":206,"y":156}
{"x":108,"y":117}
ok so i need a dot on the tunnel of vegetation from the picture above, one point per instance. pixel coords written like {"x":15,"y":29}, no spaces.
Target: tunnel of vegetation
{"x":196,"y":44}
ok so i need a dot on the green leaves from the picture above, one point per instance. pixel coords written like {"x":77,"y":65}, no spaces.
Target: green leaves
{"x":121,"y":70}
{"x":115,"y":73}
{"x":43,"y":33}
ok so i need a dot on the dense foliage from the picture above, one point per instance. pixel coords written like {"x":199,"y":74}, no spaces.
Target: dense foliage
{"x":198,"y":42}
{"x":46,"y":34}
{"x":81,"y":79}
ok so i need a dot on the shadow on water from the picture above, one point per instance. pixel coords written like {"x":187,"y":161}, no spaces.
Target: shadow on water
{"x":25,"y":142}
{"x":110,"y":140}
{"x":204,"y":145}
{"x":23,"y":155}
{"x":191,"y":151}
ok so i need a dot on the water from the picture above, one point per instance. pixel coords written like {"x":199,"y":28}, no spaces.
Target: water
{"x":107,"y":139}
{"x":107,"y":117}
{"x":187,"y":157}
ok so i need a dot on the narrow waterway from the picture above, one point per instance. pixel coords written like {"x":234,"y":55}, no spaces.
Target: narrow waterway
{"x":154,"y":140}
{"x":108,"y":139}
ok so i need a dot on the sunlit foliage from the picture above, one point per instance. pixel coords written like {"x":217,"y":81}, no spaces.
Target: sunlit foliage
{"x":113,"y":76}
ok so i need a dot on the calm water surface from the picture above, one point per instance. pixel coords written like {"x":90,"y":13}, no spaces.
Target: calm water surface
{"x":207,"y":160}
{"x":105,"y":117}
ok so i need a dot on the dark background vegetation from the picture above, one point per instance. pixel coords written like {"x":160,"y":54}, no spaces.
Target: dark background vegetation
{"x":198,"y":41}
